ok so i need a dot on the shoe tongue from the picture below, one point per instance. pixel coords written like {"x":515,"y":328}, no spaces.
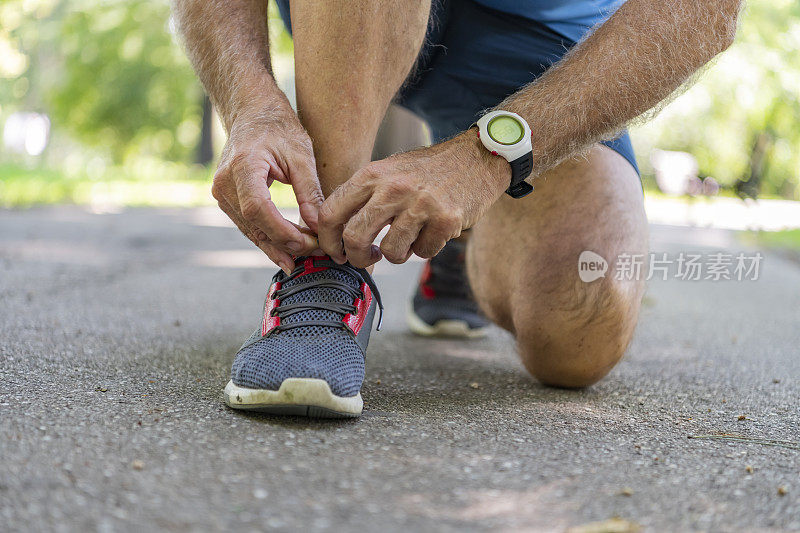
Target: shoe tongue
{"x":317,"y":294}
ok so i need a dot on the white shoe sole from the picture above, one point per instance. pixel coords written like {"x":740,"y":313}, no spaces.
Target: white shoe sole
{"x":443,"y":328}
{"x":295,"y":397}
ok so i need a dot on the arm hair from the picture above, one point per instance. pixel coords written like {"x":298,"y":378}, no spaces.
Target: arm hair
{"x":227,"y":42}
{"x":624,"y":68}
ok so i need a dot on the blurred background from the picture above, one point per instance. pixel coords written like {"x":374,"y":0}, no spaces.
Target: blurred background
{"x":99,"y":106}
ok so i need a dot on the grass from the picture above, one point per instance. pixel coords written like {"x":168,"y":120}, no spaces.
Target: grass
{"x":784,"y":240}
{"x":174,"y":185}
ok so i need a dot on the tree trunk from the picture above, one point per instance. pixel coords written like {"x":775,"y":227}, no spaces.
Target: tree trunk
{"x":758,"y":162}
{"x":205,"y":150}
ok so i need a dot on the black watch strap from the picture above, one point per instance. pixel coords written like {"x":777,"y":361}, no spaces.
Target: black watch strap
{"x":521,"y":168}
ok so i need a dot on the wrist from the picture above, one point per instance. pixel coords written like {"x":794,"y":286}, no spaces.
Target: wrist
{"x":497,"y":171}
{"x":262,"y":106}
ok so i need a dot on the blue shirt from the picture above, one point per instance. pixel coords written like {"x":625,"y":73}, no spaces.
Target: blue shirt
{"x":570,"y":18}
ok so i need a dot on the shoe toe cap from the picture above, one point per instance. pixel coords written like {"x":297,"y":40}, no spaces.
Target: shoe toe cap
{"x":267,"y":363}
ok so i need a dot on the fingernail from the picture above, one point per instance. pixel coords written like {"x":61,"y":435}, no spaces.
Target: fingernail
{"x":294,"y":246}
{"x":375,"y":253}
{"x":285,"y":267}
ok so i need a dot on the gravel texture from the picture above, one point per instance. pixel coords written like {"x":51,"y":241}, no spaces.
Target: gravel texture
{"x":118,"y":331}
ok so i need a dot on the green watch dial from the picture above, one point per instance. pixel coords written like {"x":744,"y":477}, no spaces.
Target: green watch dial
{"x":505,"y":129}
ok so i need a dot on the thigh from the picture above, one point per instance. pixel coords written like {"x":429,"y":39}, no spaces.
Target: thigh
{"x":523,"y":255}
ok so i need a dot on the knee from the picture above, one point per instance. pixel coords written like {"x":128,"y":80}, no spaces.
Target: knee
{"x":576,"y":346}
{"x":559,"y":361}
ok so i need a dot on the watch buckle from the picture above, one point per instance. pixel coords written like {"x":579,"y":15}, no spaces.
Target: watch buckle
{"x":518,"y":190}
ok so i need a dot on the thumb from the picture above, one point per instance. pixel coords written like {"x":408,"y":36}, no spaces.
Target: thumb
{"x":305,"y":185}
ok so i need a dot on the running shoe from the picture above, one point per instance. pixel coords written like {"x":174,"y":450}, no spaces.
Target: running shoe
{"x":307,"y":357}
{"x":443,"y":304}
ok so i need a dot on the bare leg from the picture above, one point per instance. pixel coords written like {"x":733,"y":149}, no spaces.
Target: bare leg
{"x":351,"y":57}
{"x":523,"y":265}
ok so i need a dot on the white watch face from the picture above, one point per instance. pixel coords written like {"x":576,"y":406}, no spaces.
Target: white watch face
{"x":505,"y":129}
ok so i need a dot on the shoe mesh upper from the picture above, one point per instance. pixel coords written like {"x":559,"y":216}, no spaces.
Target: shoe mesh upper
{"x":320,"y":352}
{"x":322,"y":294}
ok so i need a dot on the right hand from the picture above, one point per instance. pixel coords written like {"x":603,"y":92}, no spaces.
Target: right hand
{"x":261,"y":150}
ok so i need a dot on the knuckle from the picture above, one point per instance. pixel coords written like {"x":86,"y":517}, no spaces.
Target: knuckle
{"x":371,"y":172}
{"x":438,"y":226}
{"x":315,"y":194}
{"x":216,"y":192}
{"x":391,"y":253}
{"x":449,"y":224}
{"x":398,"y":187}
{"x":218,"y":185}
{"x":395,"y":258}
{"x":239,"y":160}
{"x":353,"y":240}
{"x":251,"y":209}
{"x":244,"y":164}
{"x":427,"y":201}
{"x":326,"y":214}
{"x":427,"y":249}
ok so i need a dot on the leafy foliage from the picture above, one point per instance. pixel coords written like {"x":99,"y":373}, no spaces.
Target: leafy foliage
{"x":109,"y":74}
{"x":124,"y":81}
{"x":745,"y":103}
{"x":117,"y":86}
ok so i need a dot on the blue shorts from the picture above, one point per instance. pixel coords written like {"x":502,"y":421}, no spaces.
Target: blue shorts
{"x":473,"y":58}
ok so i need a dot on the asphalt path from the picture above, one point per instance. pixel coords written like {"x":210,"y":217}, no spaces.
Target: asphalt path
{"x":118,"y":331}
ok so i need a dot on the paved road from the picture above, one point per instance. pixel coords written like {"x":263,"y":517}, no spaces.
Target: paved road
{"x":117,"y":333}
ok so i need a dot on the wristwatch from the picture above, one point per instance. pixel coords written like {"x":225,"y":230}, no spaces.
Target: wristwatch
{"x":508,"y":135}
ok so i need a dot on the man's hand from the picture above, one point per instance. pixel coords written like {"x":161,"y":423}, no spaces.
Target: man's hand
{"x":258,"y":152}
{"x":428,"y":196}
{"x":228,"y":44}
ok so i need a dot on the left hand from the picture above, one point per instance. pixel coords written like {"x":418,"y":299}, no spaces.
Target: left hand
{"x":428,"y":196}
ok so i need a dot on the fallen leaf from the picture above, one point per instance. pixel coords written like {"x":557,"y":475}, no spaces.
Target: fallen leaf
{"x":612,"y":525}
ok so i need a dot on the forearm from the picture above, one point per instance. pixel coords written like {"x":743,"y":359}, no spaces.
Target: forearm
{"x":628,"y":65}
{"x":228,"y":45}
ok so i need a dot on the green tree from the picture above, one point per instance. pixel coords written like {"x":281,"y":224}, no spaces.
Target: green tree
{"x":125,"y":85}
{"x":110,"y":75}
{"x":742,"y":120}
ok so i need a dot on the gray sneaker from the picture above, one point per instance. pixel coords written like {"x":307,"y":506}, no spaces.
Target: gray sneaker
{"x":443,"y":304}
{"x":307,"y":357}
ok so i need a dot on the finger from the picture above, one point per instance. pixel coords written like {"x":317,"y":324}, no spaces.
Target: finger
{"x":246,"y":230}
{"x":258,"y":210}
{"x":396,"y":245}
{"x":284,"y":261}
{"x":309,"y":247}
{"x":360,"y":232}
{"x":306,"y":231}
{"x":337,"y":210}
{"x":434,"y":236}
{"x":307,"y":191}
